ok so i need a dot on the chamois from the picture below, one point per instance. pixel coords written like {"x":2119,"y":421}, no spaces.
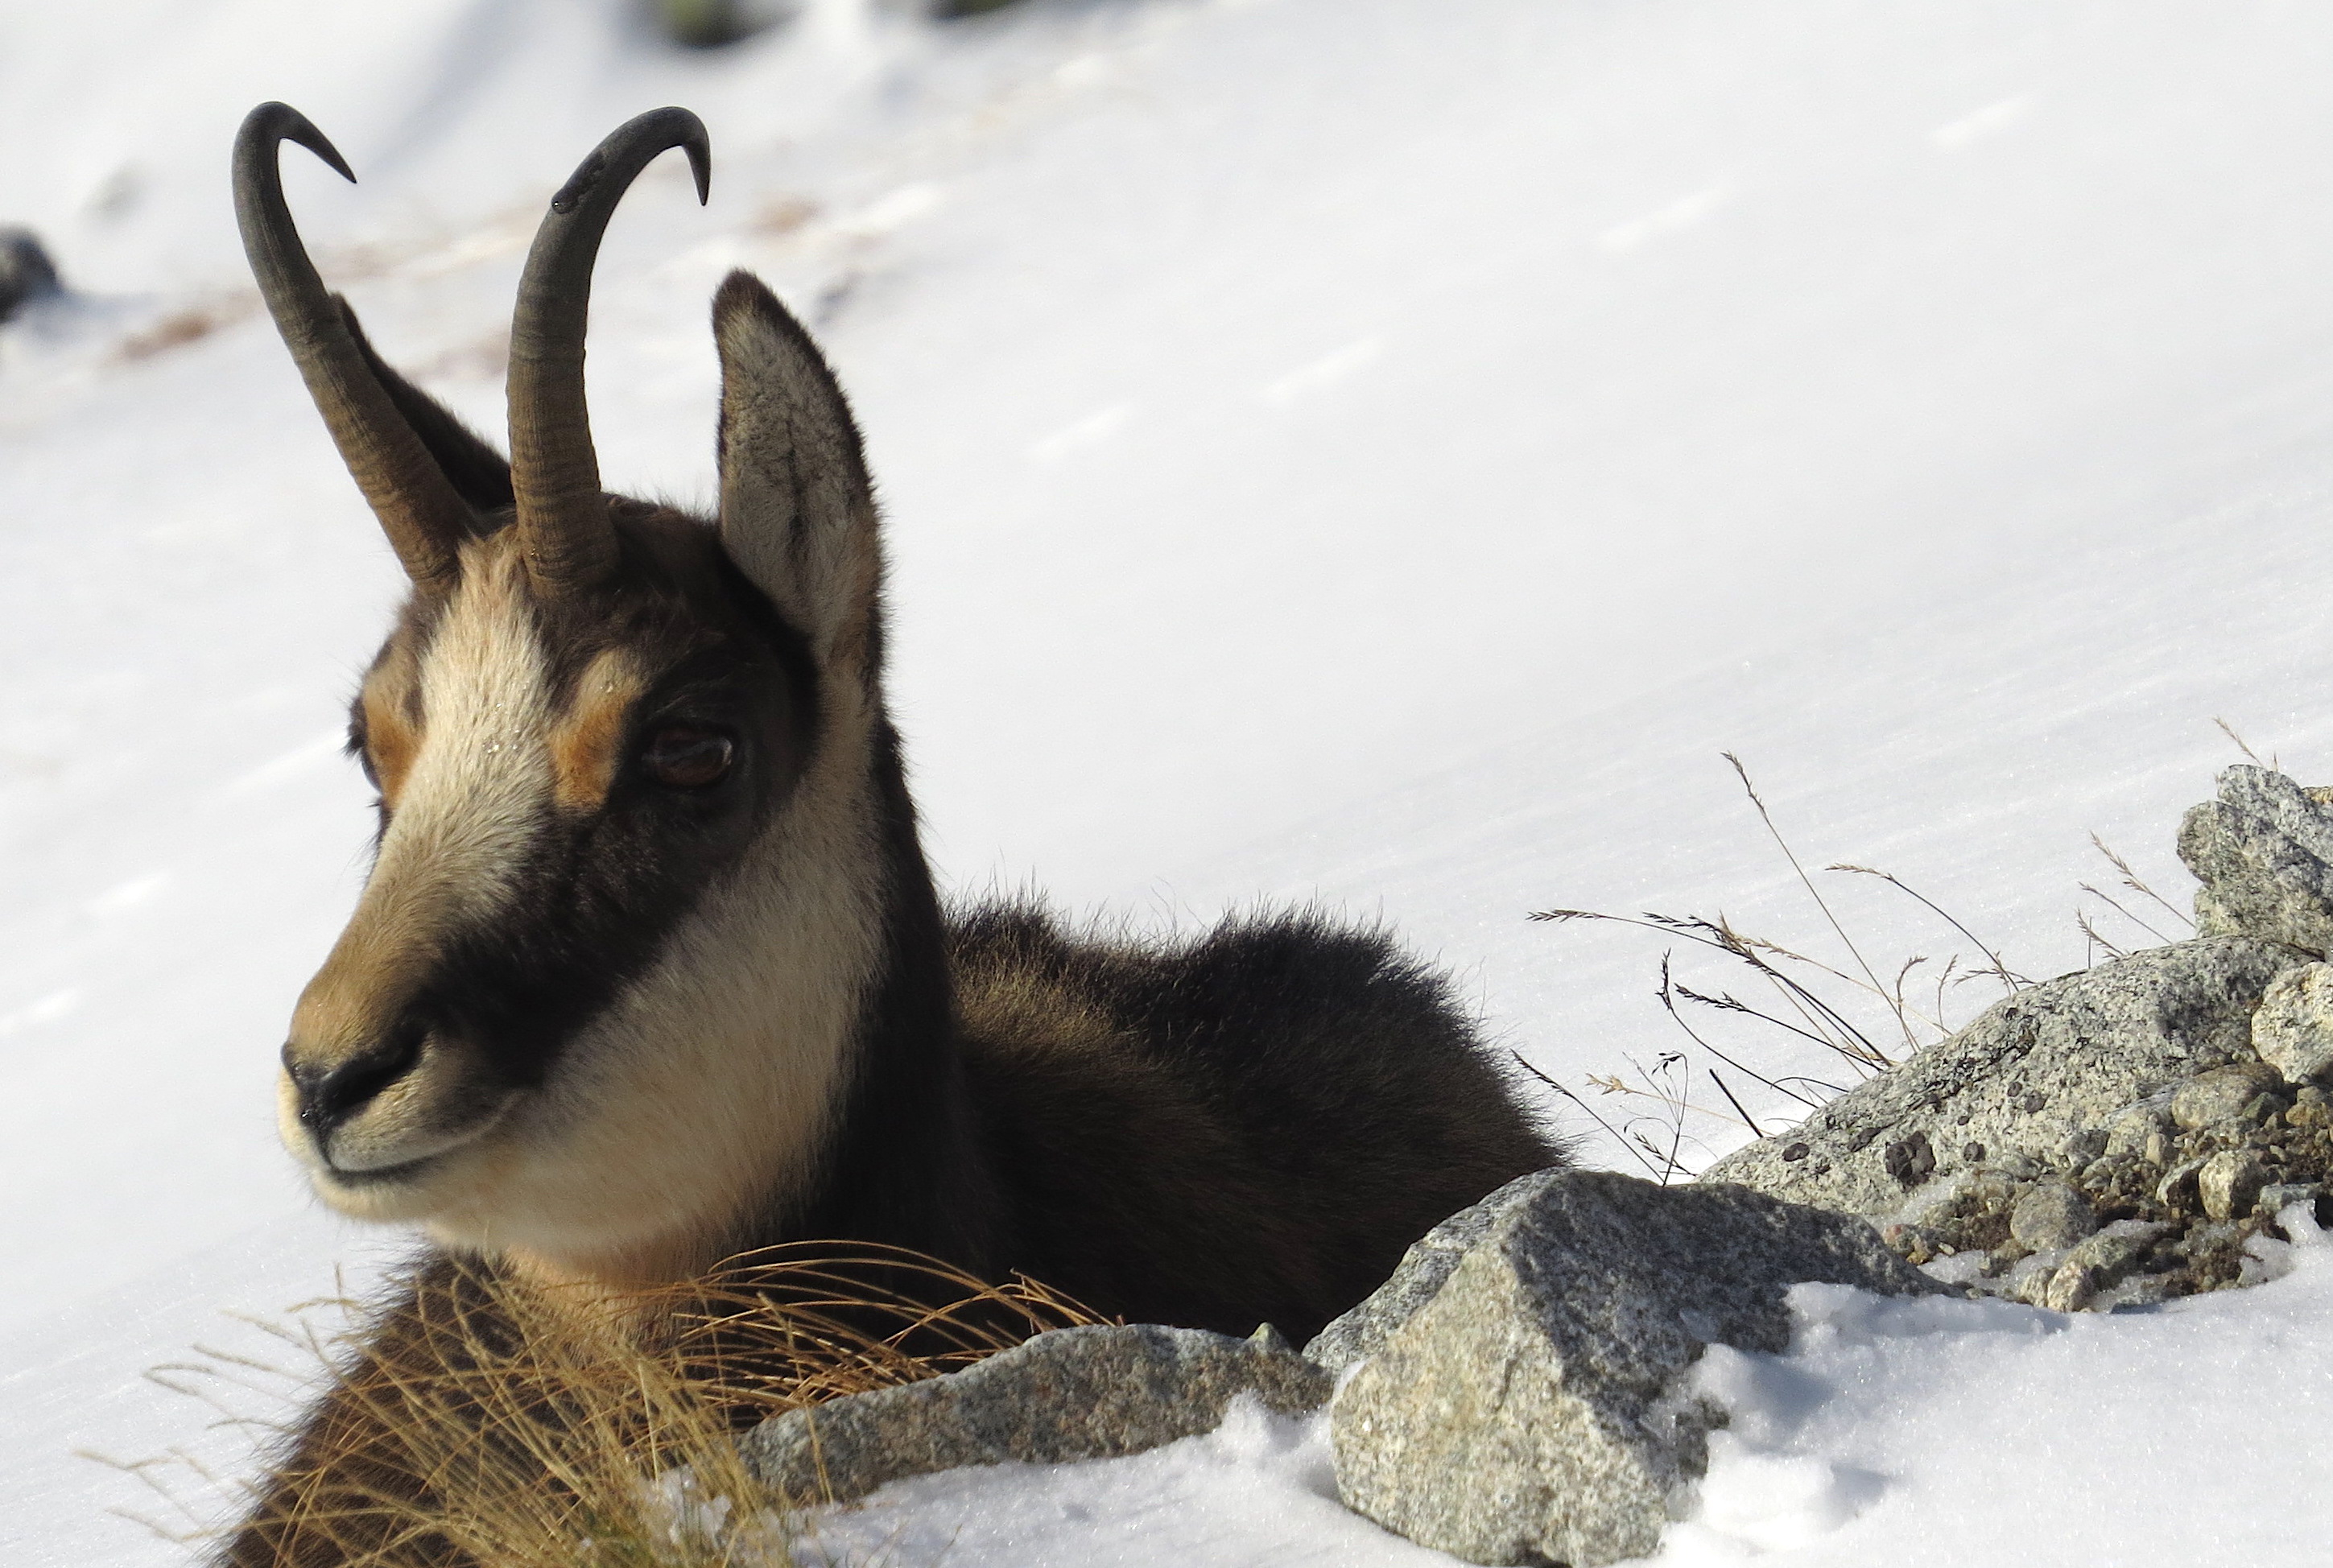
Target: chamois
{"x":649,"y":970}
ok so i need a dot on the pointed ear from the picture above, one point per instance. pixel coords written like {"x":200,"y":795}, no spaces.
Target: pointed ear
{"x":797,"y":512}
{"x":478,"y":473}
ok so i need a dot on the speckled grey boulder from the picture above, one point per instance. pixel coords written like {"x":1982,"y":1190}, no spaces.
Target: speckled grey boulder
{"x":2293,"y":1031}
{"x":2264,"y":854}
{"x":2099,"y":1263}
{"x":1516,"y":1402}
{"x":2050,"y":1215}
{"x":2210,"y":1098}
{"x":1358,"y":1334}
{"x":2230,"y":1183}
{"x":2027,"y":1077}
{"x":1074,"y":1393}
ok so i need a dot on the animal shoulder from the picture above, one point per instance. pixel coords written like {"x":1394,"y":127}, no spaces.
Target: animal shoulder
{"x":1276,"y":1108}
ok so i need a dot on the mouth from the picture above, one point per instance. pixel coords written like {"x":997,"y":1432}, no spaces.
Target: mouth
{"x":381,"y":1176}
{"x":358,"y":1159}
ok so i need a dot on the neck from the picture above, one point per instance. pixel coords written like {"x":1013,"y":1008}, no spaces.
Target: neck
{"x":906,"y":1166}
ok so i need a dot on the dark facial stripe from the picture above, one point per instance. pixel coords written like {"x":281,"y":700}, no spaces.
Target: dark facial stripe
{"x":602,"y":882}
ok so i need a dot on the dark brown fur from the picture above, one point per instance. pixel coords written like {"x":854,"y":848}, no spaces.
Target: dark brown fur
{"x":1246,"y":1128}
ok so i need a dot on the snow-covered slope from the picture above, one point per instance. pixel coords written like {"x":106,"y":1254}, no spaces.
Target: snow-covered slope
{"x":1377,"y":450}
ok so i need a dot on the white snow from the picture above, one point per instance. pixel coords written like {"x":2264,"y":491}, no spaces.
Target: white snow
{"x":1907,"y":1433}
{"x":1377,"y":451}
{"x":1258,"y":1490}
{"x":2179,"y":1435}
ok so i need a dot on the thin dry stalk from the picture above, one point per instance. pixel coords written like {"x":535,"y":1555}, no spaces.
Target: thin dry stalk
{"x":1804,"y":1011}
{"x":2098,"y":943}
{"x":1747,"y":1120}
{"x":1671,"y":990}
{"x":2009,"y":980}
{"x":1671,"y":1098}
{"x":1944,"y":981}
{"x":2111,"y":902}
{"x":2245,"y":747}
{"x":1611,"y":1132}
{"x":1911,"y":1041}
{"x":1822,"y":1023}
{"x":2137,"y":883}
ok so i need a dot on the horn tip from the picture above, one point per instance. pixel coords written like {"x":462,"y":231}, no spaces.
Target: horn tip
{"x":277,"y":121}
{"x":700,"y":164}
{"x":688,"y":134}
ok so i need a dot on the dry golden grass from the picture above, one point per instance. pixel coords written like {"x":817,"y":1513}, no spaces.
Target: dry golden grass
{"x":483,"y":1420}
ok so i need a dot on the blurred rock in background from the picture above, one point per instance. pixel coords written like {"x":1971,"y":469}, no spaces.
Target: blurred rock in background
{"x":713,"y":23}
{"x":26,"y":273}
{"x":716,"y":23}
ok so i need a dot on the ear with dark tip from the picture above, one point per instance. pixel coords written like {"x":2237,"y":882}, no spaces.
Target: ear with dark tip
{"x":797,"y":511}
{"x":479,"y":475}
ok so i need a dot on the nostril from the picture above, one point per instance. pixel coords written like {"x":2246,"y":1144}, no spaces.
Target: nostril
{"x":327,"y":1099}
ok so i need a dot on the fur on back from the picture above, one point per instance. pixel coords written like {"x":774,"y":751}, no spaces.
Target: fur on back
{"x":1249,"y":1127}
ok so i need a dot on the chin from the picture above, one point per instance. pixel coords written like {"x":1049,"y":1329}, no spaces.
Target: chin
{"x":416,"y":1173}
{"x":403,"y":1196}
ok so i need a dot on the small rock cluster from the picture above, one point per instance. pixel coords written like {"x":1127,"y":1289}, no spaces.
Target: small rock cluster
{"x":2114,"y":1137}
{"x":2179,"y":1184}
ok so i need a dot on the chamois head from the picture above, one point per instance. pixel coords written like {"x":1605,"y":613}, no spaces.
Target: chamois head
{"x":596,"y":1000}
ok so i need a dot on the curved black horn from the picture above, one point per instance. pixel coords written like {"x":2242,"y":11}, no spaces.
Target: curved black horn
{"x":563,"y":518}
{"x":418,"y":508}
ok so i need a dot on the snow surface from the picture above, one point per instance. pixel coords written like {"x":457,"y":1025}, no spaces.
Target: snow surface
{"x":1377,"y":451}
{"x":1906,"y":1432}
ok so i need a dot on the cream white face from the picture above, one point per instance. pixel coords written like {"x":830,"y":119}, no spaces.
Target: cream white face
{"x":594,"y":1000}
{"x":466,"y":792}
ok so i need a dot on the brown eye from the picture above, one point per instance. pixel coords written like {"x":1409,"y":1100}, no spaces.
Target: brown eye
{"x":683,"y":756}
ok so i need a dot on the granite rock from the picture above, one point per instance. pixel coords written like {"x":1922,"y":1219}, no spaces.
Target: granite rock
{"x":1511,"y":1399}
{"x":2025,"y":1078}
{"x":2293,"y":1031}
{"x":2230,"y":1183}
{"x":2133,"y":1130}
{"x":2221,"y":1094}
{"x":2071,"y":1287}
{"x":2277,"y":1197}
{"x":2050,"y":1215}
{"x":2098,"y":1263}
{"x":1075,"y":1393}
{"x":2114,"y":1249}
{"x":2264,"y":854}
{"x":2177,"y":1188}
